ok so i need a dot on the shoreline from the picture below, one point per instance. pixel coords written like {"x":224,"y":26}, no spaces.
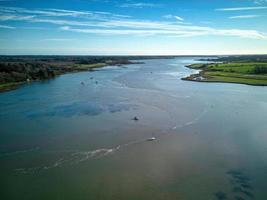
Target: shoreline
{"x":10,"y":86}
{"x":205,"y":75}
{"x":75,"y":68}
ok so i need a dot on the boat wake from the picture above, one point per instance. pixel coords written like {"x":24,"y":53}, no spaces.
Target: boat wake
{"x":189,"y":123}
{"x":19,"y":152}
{"x":78,"y":157}
{"x":82,"y":156}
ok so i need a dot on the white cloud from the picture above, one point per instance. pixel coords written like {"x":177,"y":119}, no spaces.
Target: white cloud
{"x":173,"y":17}
{"x":242,"y":8}
{"x":113,"y":24}
{"x":139,"y":5}
{"x":4,"y":11}
{"x":260,"y":1}
{"x":7,"y":27}
{"x":244,"y":16}
{"x":179,"y":18}
{"x":15,"y":17}
{"x":58,"y":39}
{"x":176,"y":31}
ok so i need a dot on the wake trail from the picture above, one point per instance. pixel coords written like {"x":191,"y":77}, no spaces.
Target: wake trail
{"x":82,"y":156}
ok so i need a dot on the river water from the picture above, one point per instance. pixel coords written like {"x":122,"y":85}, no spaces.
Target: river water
{"x":60,"y":139}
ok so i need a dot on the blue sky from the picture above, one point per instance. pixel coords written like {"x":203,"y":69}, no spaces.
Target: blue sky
{"x":133,"y":27}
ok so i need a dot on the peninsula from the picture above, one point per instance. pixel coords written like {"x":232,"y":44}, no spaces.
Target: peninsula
{"x":250,"y":70}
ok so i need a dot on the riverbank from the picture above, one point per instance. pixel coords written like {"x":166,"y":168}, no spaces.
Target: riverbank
{"x":18,"y":70}
{"x":7,"y":86}
{"x":10,"y":86}
{"x":249,"y":73}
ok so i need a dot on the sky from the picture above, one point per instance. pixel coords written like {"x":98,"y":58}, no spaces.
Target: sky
{"x":133,"y":27}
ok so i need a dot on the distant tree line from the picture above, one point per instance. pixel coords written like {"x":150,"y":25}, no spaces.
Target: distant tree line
{"x":239,"y":58}
{"x":23,"y":68}
{"x":27,"y":68}
{"x":18,"y":72}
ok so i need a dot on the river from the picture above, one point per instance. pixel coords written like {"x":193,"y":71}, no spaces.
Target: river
{"x":60,"y":139}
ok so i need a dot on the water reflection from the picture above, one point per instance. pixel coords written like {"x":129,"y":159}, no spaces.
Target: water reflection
{"x":82,"y":108}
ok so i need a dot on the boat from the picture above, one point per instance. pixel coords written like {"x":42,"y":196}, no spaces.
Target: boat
{"x":151,"y":139}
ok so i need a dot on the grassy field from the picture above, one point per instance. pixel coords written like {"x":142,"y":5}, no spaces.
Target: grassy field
{"x":251,"y":73}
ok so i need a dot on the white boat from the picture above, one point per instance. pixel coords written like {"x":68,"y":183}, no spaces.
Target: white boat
{"x":151,"y":139}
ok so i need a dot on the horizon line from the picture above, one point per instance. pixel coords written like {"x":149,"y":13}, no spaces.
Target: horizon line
{"x":133,"y":55}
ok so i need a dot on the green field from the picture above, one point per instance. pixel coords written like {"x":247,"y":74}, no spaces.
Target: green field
{"x":252,"y":73}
